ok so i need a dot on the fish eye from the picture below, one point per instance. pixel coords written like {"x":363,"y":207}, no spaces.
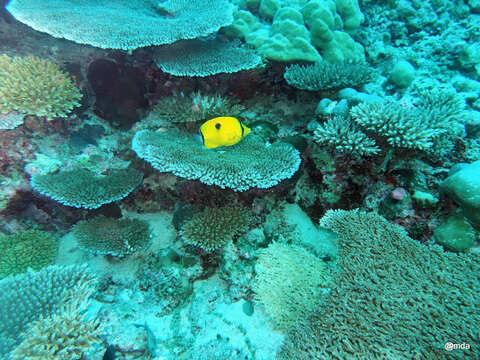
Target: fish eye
{"x":217,"y":126}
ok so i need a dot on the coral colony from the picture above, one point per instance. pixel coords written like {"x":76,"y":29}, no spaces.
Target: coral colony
{"x":240,"y":179}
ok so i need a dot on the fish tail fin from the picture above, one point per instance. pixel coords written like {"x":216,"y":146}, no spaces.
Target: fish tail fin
{"x":246,"y":130}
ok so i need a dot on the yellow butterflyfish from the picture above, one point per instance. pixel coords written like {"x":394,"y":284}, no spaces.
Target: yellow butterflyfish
{"x":222,"y":131}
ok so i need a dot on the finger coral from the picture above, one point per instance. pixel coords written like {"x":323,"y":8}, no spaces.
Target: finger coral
{"x":250,"y":163}
{"x":36,"y":87}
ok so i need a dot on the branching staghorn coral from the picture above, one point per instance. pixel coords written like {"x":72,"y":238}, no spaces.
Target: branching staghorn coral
{"x":65,"y":335}
{"x":37,"y":87}
{"x":194,"y":107}
{"x":32,"y":296}
{"x":342,"y":135}
{"x":325,"y":76}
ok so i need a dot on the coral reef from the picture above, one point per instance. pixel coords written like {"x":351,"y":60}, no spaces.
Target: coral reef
{"x":250,"y":163}
{"x":212,"y":228}
{"x":195,"y":107}
{"x":290,"y":282}
{"x":323,"y":76}
{"x":33,"y":249}
{"x":37,"y":87}
{"x":406,"y":301}
{"x":32,"y":296}
{"x":123,"y":24}
{"x":65,"y":335}
{"x":108,"y":236}
{"x":204,"y":58}
{"x":82,"y":188}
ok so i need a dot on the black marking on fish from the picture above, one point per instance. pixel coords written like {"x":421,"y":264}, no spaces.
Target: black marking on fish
{"x":203,"y":139}
{"x":241,"y":127}
{"x":218,"y":126}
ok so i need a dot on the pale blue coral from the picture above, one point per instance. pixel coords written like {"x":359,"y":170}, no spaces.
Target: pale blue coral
{"x":250,"y":163}
{"x":205,"y":57}
{"x":124,"y":24}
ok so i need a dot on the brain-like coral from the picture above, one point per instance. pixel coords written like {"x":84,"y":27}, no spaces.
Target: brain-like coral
{"x":205,"y":57}
{"x":28,"y":249}
{"x":250,"y":163}
{"x":290,"y":282}
{"x":124,"y":24}
{"x":194,"y":107}
{"x":84,"y":189}
{"x":212,"y":228}
{"x":108,"y":236}
{"x":37,"y":87}
{"x":31,"y":296}
{"x":324,"y":76}
{"x":409,"y":297}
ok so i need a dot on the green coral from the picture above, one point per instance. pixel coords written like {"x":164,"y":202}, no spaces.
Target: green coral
{"x":28,"y":249}
{"x":250,"y":163}
{"x":83,"y":189}
{"x":194,"y":107}
{"x":65,"y":335}
{"x":290,"y":282}
{"x":37,"y":87}
{"x":409,"y":297}
{"x":108,"y":236}
{"x":325,"y":76}
{"x":212,"y":228}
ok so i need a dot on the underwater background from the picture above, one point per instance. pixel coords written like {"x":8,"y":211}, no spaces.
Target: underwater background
{"x":240,"y":179}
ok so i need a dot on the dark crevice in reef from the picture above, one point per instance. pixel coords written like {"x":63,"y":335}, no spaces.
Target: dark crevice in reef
{"x":120,"y":92}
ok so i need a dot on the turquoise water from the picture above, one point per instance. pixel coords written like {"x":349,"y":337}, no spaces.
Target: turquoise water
{"x":240,"y":179}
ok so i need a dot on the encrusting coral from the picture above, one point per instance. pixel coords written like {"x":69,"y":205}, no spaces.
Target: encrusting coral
{"x":36,"y":87}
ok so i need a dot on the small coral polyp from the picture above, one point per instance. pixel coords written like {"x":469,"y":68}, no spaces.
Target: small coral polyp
{"x":33,"y":86}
